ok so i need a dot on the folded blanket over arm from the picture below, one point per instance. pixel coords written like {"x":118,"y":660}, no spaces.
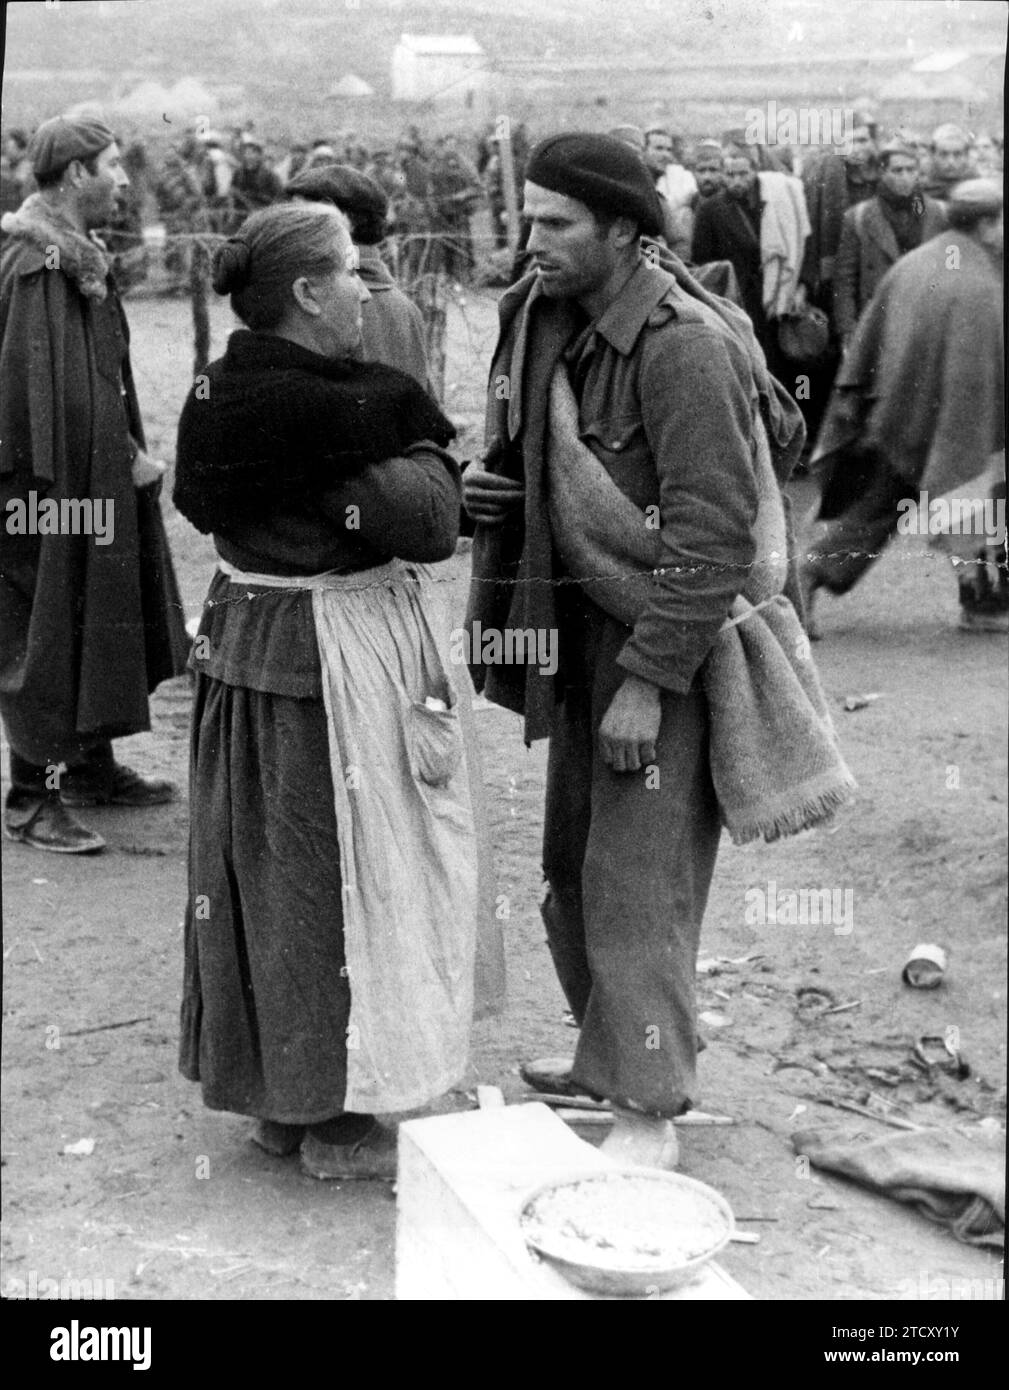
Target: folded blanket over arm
{"x":775,"y":762}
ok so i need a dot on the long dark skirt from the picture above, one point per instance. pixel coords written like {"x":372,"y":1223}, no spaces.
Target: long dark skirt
{"x":266,"y":999}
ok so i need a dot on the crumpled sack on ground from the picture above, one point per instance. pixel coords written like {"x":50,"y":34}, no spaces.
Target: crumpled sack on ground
{"x":955,"y":1181}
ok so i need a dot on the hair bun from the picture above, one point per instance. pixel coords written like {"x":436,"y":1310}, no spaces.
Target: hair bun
{"x":232,"y":266}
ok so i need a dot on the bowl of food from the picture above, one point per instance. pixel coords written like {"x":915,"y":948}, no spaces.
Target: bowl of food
{"x":626,"y":1232}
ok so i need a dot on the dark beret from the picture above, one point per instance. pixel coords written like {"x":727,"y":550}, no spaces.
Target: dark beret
{"x":600,"y":171}
{"x":982,"y":197}
{"x":352,"y":192}
{"x":59,"y":141}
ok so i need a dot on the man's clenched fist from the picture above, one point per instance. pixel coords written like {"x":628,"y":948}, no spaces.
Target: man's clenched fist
{"x":488,"y":497}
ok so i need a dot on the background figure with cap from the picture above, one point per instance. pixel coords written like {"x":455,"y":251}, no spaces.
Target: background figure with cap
{"x":876,"y":232}
{"x":834,"y":179}
{"x":217,"y":170}
{"x":392,"y":329}
{"x":456,"y":192}
{"x":676,"y":186}
{"x":90,"y":623}
{"x":179,"y":191}
{"x":709,"y":171}
{"x":918,"y":407}
{"x":676,"y":226}
{"x":254,"y":184}
{"x":412,"y":210}
{"x":605,"y":358}
{"x":950,"y":161}
{"x":759,"y":223}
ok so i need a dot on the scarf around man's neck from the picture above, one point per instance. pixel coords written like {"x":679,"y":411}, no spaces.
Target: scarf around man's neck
{"x":904,"y":212}
{"x":273,"y":425}
{"x":45,"y":226}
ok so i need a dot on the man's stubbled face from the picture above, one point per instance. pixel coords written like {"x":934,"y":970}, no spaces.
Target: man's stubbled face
{"x":709,"y":173}
{"x":739,"y":176}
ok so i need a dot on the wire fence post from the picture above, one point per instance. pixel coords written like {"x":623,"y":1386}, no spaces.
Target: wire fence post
{"x":199,"y":282}
{"x":430,"y":293}
{"x":428,"y":287}
{"x":504,"y":137}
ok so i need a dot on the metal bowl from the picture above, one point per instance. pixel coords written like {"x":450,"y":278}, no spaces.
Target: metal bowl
{"x":672,"y":1200}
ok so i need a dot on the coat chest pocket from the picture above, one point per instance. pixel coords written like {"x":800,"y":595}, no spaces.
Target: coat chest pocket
{"x":620,"y":445}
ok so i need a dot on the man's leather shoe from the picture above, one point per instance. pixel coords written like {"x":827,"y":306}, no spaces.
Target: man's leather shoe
{"x":551,"y":1075}
{"x":123,"y":787}
{"x":44,"y":823}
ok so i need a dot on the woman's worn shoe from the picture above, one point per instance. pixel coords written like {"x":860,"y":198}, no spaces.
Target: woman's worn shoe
{"x":44,"y":823}
{"x":373,"y":1156}
{"x":276,"y":1138}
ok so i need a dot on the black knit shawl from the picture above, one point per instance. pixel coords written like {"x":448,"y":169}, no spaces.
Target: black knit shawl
{"x":274,"y":425}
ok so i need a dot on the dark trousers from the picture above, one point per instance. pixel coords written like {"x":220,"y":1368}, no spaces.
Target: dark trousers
{"x":30,"y":780}
{"x":628,"y":859}
{"x":854,"y":540}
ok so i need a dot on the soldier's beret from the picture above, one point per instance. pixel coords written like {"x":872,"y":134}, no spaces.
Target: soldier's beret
{"x":347,"y":188}
{"x":59,"y":141}
{"x":600,"y":171}
{"x":982,"y":197}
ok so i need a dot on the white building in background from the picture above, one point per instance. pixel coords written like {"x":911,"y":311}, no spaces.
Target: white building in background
{"x":451,"y":71}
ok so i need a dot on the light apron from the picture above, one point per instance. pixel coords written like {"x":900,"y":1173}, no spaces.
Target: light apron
{"x":407,"y":827}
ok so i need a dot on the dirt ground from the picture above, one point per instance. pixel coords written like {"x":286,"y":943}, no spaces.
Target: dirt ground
{"x":174,"y":1202}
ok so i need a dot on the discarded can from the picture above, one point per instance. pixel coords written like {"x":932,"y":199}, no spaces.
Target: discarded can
{"x":925,"y":967}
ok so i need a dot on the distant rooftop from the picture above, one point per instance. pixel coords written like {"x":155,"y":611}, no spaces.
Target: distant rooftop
{"x":941,"y":62}
{"x":350,"y":85}
{"x":441,"y":43}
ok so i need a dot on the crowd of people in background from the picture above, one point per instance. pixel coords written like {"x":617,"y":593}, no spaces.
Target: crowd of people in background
{"x":210,"y":180}
{"x":801,"y":238}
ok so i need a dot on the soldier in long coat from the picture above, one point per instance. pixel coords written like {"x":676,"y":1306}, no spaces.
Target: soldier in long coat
{"x":90,"y":617}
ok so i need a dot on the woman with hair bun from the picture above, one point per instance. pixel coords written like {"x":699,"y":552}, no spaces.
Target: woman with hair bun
{"x":337,"y":843}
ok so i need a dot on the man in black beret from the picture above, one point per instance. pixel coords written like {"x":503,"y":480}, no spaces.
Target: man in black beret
{"x":392,"y":329}
{"x":90,"y":618}
{"x":661,"y":386}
